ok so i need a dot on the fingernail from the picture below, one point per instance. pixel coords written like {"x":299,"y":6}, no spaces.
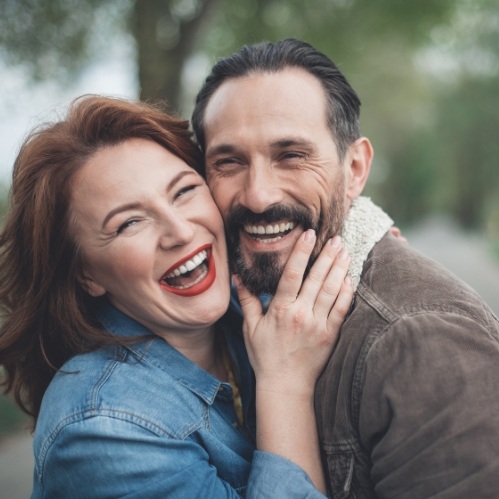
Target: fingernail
{"x":310,"y":235}
{"x":335,"y":242}
{"x":344,"y":254}
{"x":236,"y":281}
{"x":348,"y":280}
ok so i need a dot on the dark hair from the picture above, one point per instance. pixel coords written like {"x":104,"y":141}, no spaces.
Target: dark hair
{"x":266,"y":57}
{"x":47,"y":315}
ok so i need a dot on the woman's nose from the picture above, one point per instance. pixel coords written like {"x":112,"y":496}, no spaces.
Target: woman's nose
{"x":176,"y":231}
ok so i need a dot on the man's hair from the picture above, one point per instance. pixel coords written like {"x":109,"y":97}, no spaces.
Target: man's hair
{"x":47,"y":314}
{"x":266,"y":57}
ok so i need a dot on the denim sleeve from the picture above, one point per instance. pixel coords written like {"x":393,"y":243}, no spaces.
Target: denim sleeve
{"x":274,"y":477}
{"x":104,"y":457}
{"x":430,"y":408}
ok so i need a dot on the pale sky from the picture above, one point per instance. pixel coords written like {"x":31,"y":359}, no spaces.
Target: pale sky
{"x":23,"y":105}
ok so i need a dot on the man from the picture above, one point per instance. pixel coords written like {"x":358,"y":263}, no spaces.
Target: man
{"x":408,"y":404}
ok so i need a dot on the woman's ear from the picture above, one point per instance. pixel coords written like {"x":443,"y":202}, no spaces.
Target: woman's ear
{"x":359,"y":157}
{"x":91,"y":286}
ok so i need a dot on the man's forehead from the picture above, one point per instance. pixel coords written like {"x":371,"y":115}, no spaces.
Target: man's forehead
{"x":264,"y":88}
{"x":282,"y":105}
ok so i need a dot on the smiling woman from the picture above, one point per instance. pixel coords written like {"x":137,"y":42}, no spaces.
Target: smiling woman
{"x":115,"y":336}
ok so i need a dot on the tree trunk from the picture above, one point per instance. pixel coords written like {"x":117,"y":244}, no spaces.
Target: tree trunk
{"x":164,"y":42}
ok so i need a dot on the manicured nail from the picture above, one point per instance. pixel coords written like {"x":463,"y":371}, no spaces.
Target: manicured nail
{"x":335,"y":242}
{"x":310,"y":235}
{"x":344,"y":254}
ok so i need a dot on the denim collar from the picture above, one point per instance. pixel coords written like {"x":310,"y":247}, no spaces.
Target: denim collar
{"x":157,"y":352}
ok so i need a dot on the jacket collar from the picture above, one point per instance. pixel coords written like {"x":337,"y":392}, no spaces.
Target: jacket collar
{"x":365,"y":225}
{"x":157,"y":352}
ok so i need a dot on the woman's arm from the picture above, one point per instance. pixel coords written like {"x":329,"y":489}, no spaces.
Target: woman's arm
{"x":290,"y":345}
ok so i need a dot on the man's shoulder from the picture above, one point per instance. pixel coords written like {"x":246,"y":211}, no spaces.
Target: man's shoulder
{"x":398,"y":281}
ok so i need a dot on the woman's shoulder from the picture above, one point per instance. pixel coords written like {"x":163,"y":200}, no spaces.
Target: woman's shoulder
{"x":112,"y":383}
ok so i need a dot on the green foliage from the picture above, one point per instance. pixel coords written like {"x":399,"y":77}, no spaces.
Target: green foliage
{"x":433,"y":129}
{"x":11,"y":417}
{"x":54,"y":38}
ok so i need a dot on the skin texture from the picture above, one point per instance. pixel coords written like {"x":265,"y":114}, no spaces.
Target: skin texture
{"x":273,"y":148}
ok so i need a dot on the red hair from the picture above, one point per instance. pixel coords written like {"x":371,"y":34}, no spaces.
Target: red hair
{"x":47,"y":315}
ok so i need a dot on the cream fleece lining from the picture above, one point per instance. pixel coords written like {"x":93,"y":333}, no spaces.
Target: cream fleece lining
{"x":365,"y":224}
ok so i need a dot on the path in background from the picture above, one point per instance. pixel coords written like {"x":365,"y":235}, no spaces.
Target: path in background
{"x":16,"y":466}
{"x":465,"y":255}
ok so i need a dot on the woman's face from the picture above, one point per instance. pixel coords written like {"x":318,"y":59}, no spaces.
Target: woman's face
{"x":152,"y":237}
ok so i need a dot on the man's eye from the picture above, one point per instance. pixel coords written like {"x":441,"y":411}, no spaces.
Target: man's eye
{"x":126,"y":224}
{"x":226,"y":162}
{"x":292,"y":155}
{"x":227,"y":166}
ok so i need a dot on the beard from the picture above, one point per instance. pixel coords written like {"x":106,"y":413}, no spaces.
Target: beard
{"x":261,"y":274}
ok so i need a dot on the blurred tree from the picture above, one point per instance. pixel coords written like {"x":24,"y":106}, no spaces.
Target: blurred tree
{"x":57,"y":37}
{"x":430,"y":153}
{"x":459,"y":147}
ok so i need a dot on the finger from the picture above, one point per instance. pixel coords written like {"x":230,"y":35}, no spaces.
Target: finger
{"x":341,"y":306}
{"x":395,"y":231}
{"x":292,"y":276}
{"x":332,"y":285}
{"x":320,"y":271}
{"x":250,"y":304}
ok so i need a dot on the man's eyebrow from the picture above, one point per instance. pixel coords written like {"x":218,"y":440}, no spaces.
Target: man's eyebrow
{"x":276,"y":144}
{"x":291,"y":141}
{"x":221,"y":149}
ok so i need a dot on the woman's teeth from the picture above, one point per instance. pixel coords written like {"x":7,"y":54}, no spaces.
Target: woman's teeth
{"x":189,"y":265}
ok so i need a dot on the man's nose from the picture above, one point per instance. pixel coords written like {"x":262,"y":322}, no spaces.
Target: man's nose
{"x":261,"y":189}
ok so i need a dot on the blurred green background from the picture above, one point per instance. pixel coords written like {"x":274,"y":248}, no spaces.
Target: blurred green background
{"x":427,"y":73}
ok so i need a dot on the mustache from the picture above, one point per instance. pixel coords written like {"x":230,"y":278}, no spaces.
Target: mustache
{"x":241,"y":216}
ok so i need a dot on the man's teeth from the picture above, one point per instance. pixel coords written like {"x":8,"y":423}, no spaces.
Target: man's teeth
{"x":189,"y":265}
{"x":269,"y":229}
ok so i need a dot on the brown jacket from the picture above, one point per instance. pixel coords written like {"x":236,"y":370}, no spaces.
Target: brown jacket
{"x":408,"y":406}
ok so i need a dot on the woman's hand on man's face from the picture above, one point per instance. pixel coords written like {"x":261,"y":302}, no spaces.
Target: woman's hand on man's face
{"x":290,"y":345}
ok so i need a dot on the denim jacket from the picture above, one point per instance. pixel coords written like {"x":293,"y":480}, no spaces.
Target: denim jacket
{"x":143,"y":421}
{"x":408,"y":405}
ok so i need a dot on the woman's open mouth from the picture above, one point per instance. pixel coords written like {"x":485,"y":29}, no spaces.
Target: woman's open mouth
{"x":192,"y":275}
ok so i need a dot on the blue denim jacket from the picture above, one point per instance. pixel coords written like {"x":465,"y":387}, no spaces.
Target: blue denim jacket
{"x":144,"y":421}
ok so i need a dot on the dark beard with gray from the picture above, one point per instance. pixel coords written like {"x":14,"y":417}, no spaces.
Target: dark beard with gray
{"x":262,"y":273}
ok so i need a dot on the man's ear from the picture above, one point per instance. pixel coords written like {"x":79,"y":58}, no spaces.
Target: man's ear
{"x":91,"y":286}
{"x":359,"y":157}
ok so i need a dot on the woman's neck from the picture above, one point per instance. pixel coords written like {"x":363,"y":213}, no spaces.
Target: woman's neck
{"x":203,"y":348}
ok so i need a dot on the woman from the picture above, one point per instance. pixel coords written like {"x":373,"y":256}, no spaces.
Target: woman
{"x":114,"y":281}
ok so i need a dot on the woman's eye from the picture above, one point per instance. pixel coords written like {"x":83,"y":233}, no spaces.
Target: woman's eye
{"x":125,"y":225}
{"x":184,"y":190}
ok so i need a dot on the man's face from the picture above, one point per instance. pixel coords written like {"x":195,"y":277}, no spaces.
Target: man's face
{"x":273,"y":169}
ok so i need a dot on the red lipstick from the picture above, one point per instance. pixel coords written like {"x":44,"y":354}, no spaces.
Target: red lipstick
{"x":199,"y":287}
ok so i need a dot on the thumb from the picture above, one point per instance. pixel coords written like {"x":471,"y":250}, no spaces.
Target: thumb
{"x":250,"y":304}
